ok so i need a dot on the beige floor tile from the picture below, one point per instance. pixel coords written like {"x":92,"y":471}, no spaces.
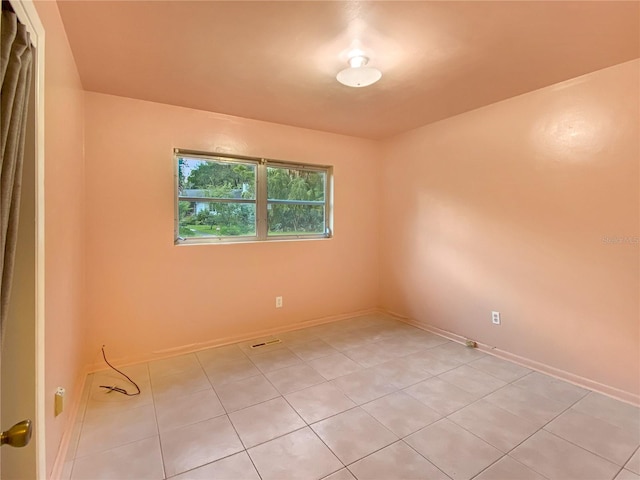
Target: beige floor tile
{"x":556,"y":458}
{"x":617,"y":413}
{"x":343,"y":474}
{"x":401,"y":413}
{"x":140,"y":460}
{"x":334,"y":366}
{"x":401,"y":373}
{"x":292,"y":379}
{"x":552,"y":388}
{"x":235,"y":467}
{"x":298,"y":455}
{"x":365,"y":321}
{"x":244,"y":393}
{"x":232,"y":371}
{"x":460,"y":352}
{"x":496,"y":426}
{"x":380,"y":333}
{"x":499,"y":368}
{"x":363,"y":386}
{"x":105,"y":432}
{"x":443,"y":397}
{"x":627,"y":475}
{"x":195,"y":445}
{"x":471,"y":380}
{"x":353,"y":434}
{"x":179,"y":385}
{"x":193,"y":408}
{"x":396,"y":461}
{"x":265,"y":421}
{"x":275,"y":360}
{"x":319,"y":402}
{"x":427,"y":362}
{"x":455,"y":451}
{"x":508,"y":469}
{"x":634,"y":463}
{"x":182,"y":364}
{"x":215,"y":358}
{"x":101,"y":401}
{"x":422,"y":337}
{"x":346,"y":340}
{"x":526,"y":404}
{"x":406,"y":344}
{"x":370,"y":355}
{"x":312,"y":350}
{"x":595,"y":435}
{"x":589,"y":435}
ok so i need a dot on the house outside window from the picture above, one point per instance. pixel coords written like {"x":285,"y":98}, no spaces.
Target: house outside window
{"x":225,"y":198}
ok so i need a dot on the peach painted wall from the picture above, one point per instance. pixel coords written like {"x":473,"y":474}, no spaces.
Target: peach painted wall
{"x":146,"y":295}
{"x":65,"y":349}
{"x":513,"y":207}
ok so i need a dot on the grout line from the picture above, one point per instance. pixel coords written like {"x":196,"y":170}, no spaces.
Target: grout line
{"x":246,"y":450}
{"x":339,"y":330}
{"x":582,"y":448}
{"x":630,"y":457}
{"x":537,"y":431}
{"x":155,"y":414}
{"x":209,"y":463}
{"x":411,"y":447}
{"x":477,"y":400}
{"x":513,"y":459}
{"x":114,"y":447}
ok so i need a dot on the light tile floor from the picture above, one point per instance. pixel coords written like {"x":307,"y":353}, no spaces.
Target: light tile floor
{"x":364,"y":398}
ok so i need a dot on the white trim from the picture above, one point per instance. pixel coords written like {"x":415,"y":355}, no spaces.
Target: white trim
{"x":578,"y":380}
{"x":220,"y":342}
{"x":28,"y":15}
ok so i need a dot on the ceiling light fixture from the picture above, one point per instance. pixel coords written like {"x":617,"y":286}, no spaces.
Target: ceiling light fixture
{"x":358,"y":74}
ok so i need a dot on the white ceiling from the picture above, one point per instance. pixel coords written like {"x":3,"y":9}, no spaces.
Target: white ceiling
{"x":276,"y":60}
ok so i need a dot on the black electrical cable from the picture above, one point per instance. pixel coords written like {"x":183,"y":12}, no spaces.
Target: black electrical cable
{"x":118,"y":389}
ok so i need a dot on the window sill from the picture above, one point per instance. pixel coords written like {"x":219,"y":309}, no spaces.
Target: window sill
{"x":226,"y":241}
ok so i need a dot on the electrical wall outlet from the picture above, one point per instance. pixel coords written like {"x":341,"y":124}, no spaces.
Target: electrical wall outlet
{"x":278,"y":302}
{"x":59,"y":401}
{"x":495,"y":318}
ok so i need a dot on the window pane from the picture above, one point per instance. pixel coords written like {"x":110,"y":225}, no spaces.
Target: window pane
{"x":292,"y":184}
{"x":205,"y":219}
{"x":216,"y":179}
{"x":295,"y":219}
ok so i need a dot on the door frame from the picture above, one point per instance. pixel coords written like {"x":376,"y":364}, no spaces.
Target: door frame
{"x":28,"y":15}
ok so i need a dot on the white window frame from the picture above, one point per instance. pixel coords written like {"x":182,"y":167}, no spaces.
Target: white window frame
{"x":261,"y":201}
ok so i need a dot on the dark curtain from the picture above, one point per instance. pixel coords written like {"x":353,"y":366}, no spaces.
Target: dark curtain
{"x":15,"y":74}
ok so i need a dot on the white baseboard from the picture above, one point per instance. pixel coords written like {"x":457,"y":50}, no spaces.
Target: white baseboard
{"x":583,"y":382}
{"x":220,"y":342}
{"x":77,"y":397}
{"x":77,"y":400}
{"x":525,"y":362}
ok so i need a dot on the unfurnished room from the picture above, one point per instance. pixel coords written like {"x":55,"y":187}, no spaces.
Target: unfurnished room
{"x":339,"y":240}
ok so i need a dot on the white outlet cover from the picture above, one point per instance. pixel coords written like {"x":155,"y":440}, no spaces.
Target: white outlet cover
{"x":495,"y":318}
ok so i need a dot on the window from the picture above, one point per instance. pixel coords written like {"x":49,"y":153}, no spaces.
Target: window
{"x":232,"y":198}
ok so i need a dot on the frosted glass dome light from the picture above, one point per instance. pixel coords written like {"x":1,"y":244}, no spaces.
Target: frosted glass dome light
{"x":358,"y":74}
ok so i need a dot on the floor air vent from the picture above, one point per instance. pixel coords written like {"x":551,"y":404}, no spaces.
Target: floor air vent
{"x":266,"y":342}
